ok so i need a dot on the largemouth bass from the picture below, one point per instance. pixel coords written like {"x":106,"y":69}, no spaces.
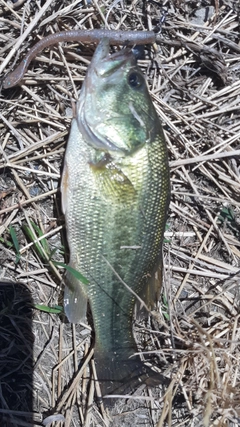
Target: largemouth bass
{"x":115,"y":196}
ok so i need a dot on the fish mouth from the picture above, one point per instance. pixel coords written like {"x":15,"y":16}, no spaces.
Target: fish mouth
{"x":111,"y":62}
{"x":102,"y":66}
{"x":105,"y":63}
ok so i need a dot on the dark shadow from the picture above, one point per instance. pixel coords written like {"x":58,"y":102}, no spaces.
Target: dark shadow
{"x":16,"y":358}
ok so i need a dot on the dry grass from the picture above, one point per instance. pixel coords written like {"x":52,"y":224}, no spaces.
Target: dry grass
{"x":194,"y":78}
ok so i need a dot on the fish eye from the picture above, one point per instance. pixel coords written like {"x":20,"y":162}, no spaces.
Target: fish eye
{"x":135,"y":80}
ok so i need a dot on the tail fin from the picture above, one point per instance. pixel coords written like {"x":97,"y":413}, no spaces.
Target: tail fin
{"x":122,"y":375}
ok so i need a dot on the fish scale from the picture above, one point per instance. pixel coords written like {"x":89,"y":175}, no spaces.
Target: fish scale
{"x":115,"y":195}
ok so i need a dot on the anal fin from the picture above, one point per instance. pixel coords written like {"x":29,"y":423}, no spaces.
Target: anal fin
{"x":75,"y":299}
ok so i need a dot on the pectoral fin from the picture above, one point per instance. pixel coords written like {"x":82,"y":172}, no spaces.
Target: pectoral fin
{"x":113,"y":183}
{"x":75,"y":299}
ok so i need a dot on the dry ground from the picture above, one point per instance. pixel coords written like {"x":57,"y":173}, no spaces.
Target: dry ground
{"x":194,"y":79}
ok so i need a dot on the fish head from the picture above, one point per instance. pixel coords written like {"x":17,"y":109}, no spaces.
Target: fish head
{"x":115,"y":113}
